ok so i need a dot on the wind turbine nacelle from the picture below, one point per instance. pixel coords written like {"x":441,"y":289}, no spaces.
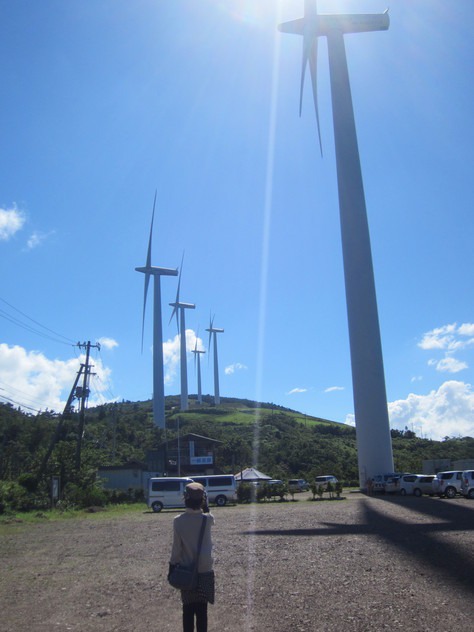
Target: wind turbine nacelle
{"x":322,"y":24}
{"x":183,"y":305}
{"x":158,"y":271}
{"x":353,"y":23}
{"x":215,"y":330}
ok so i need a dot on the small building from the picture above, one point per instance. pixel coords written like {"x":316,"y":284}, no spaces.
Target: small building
{"x":183,"y":456}
{"x":131,"y":475}
{"x":433,"y":466}
{"x":189,"y":454}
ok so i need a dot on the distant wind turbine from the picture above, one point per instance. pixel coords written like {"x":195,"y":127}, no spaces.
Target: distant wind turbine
{"x":213,"y":331}
{"x":370,"y":400}
{"x":197,"y":362}
{"x":180,"y":307}
{"x":158,"y":373}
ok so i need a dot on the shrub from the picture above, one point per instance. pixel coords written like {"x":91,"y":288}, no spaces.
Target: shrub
{"x":14,"y":497}
{"x":244,"y":493}
{"x":90,"y":495}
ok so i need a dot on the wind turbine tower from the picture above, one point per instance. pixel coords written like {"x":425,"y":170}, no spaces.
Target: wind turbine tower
{"x":197,"y":361}
{"x":213,"y":331}
{"x":180,"y":307}
{"x":158,"y":373}
{"x":370,"y":400}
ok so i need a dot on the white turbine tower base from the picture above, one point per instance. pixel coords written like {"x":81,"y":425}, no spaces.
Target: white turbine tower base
{"x":370,"y":400}
{"x":158,"y":372}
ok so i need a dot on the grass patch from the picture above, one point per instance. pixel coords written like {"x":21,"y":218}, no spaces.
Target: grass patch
{"x":89,"y":513}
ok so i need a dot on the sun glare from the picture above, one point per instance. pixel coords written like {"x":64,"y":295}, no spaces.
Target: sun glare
{"x":247,"y":11}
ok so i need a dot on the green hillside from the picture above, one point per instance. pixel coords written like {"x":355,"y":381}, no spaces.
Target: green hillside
{"x":281,"y":442}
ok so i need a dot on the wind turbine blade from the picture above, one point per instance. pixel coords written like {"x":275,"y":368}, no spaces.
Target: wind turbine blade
{"x":179,"y":278}
{"x":313,"y":67}
{"x":175,"y":306}
{"x":148,"y":256}
{"x":304,"y":63}
{"x":147,"y":281}
{"x":211,"y":321}
{"x":148,"y":265}
{"x":175,"y":311}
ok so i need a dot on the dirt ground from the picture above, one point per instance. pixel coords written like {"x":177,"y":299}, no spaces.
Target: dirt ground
{"x":358,"y":564}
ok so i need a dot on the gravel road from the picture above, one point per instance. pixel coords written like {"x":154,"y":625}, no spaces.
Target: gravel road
{"x":359,"y":564}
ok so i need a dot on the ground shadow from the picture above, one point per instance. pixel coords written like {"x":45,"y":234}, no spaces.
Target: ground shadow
{"x":422,"y":541}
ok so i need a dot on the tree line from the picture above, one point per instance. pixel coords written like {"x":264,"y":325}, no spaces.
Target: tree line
{"x":280,"y":442}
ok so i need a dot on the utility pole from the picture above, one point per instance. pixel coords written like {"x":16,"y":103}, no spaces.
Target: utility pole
{"x":82,"y":393}
{"x":55,"y":437}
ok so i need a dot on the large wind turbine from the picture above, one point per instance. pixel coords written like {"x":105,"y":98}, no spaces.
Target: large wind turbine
{"x":197,"y":361}
{"x":370,"y":400}
{"x":213,"y":331}
{"x":158,"y":374}
{"x":180,"y":307}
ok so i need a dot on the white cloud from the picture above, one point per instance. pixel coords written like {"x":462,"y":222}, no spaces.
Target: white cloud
{"x":350,"y":420}
{"x":448,"y":338}
{"x":467,"y":329}
{"x":416,"y":378}
{"x":448,"y":365}
{"x":108,"y":343}
{"x":232,"y":368}
{"x":36,"y":239}
{"x":331,"y":389}
{"x":32,"y":380}
{"x":297,"y":390}
{"x":11,"y":221}
{"x":171,"y":353}
{"x":448,"y":411}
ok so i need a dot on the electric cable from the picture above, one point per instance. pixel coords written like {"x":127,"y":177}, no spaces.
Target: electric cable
{"x":18,"y":322}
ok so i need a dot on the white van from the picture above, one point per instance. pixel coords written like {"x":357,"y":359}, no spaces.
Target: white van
{"x":220,"y":488}
{"x":166,"y":491}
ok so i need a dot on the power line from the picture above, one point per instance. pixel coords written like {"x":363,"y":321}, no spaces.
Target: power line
{"x":25,"y":396}
{"x":12,"y":401}
{"x":18,"y":322}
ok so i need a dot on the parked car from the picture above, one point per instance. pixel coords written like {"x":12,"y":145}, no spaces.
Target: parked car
{"x":220,"y":488}
{"x":382,"y":482}
{"x":275,"y":487}
{"x":166,"y":492}
{"x":448,"y":483}
{"x":467,"y":483}
{"x":322,"y":481}
{"x":298,"y":485}
{"x":417,"y":484}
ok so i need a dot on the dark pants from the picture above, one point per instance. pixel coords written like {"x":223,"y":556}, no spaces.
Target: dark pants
{"x":198,"y":609}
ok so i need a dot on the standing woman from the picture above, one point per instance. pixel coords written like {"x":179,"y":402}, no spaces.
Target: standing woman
{"x":186,"y":528}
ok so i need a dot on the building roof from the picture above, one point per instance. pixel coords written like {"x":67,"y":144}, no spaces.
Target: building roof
{"x":251,"y":474}
{"x":192,"y":437}
{"x":130,"y":465}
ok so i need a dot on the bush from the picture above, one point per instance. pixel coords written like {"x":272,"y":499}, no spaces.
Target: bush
{"x":14,"y":497}
{"x":91,"y":495}
{"x":244,"y":493}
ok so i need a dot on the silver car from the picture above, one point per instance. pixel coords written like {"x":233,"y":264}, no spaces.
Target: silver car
{"x":467,"y":483}
{"x":417,"y":484}
{"x":448,"y":483}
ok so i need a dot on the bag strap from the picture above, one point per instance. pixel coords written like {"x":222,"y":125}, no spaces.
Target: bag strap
{"x":201,"y":536}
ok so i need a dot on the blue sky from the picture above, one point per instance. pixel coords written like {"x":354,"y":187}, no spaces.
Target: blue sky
{"x":105,"y":102}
